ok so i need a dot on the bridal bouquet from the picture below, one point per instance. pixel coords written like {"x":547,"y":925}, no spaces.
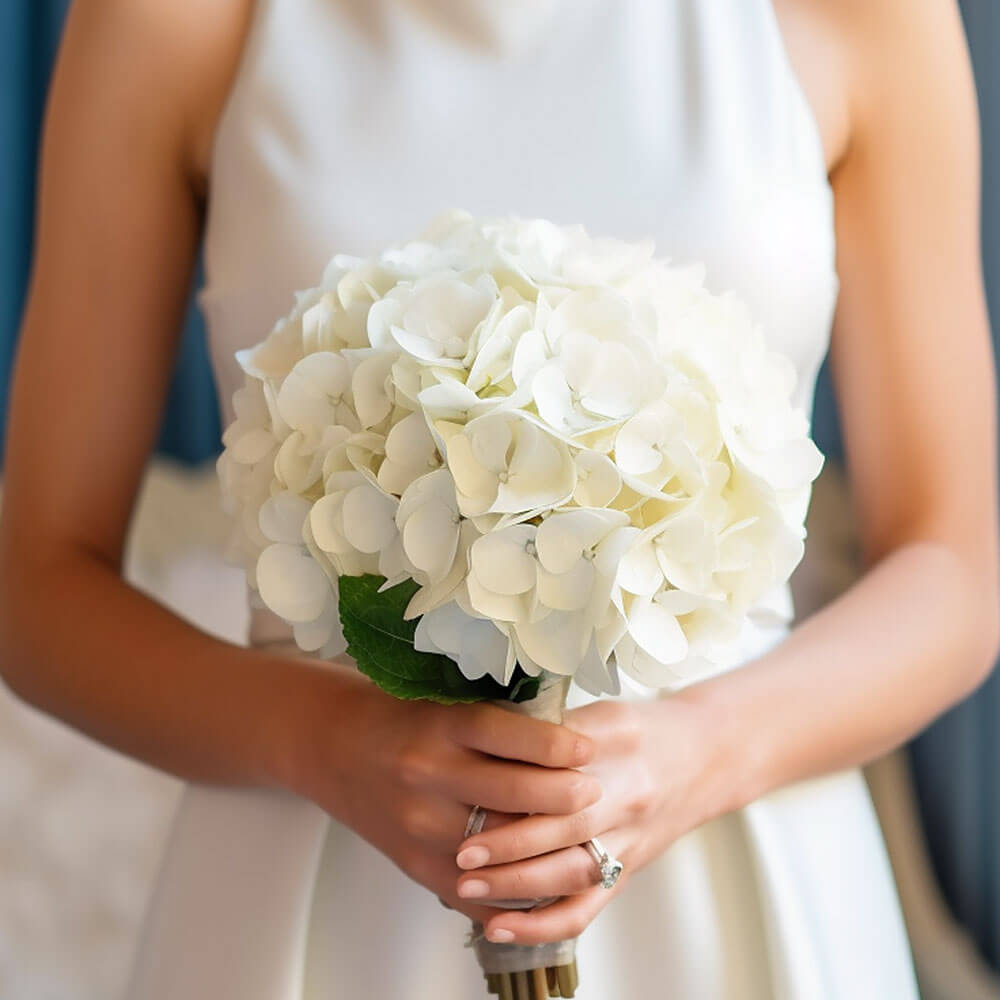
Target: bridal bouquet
{"x":508,"y":456}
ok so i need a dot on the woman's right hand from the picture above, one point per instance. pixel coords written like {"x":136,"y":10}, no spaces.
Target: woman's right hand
{"x":405,"y":774}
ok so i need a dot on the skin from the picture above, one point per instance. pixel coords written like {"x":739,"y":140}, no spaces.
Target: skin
{"x":119,"y":221}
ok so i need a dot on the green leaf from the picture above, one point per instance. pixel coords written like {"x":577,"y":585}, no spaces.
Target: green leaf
{"x":381,"y":643}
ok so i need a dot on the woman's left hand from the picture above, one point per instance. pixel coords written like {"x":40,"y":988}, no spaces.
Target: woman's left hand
{"x":656,"y":763}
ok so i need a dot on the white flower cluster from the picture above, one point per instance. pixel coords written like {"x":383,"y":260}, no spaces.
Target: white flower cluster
{"x":586,"y":461}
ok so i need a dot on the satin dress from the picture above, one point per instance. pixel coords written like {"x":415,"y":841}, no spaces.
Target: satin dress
{"x":350,"y":124}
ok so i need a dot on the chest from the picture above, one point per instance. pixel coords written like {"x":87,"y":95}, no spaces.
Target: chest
{"x":639,"y":119}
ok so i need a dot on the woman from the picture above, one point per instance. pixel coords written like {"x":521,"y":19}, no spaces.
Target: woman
{"x":799,"y":149}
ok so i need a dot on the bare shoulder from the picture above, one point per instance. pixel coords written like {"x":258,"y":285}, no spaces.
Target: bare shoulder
{"x":872,"y":66}
{"x":863,"y":63}
{"x":174,"y":62}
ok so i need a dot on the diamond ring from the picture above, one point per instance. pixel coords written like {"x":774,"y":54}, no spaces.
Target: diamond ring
{"x":610,"y":868}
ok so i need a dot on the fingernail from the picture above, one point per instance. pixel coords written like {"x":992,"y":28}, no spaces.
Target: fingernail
{"x":500,"y":936}
{"x":473,"y":889}
{"x":473,"y":857}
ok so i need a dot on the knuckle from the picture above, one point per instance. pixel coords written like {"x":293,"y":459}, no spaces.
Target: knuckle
{"x":414,"y":765}
{"x":629,"y":727}
{"x":479,"y":720}
{"x":579,"y":793}
{"x":517,"y":845}
{"x":643,"y":799}
{"x":581,"y":826}
{"x":517,"y":886}
{"x":553,"y":746}
{"x":576,"y":924}
{"x":585,"y":869}
{"x":415,"y":819}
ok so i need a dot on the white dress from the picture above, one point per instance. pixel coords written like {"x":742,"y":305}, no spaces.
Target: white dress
{"x":351,"y":123}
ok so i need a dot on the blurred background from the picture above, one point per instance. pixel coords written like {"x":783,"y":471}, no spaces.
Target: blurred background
{"x":81,"y":828}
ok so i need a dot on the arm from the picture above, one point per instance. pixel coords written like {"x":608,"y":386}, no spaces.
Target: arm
{"x":914,"y":374}
{"x":135,"y":97}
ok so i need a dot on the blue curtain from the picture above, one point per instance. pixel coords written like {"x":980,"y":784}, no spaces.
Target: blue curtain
{"x":29,"y":34}
{"x":956,"y":762}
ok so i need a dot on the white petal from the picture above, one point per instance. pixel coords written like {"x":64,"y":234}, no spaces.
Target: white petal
{"x":448,"y":399}
{"x":371,"y":386}
{"x":430,"y":538}
{"x":381,"y":318}
{"x":326,"y":519}
{"x":569,"y":591}
{"x":282,"y":516}
{"x":499,"y":607}
{"x":657,"y":631}
{"x":252,"y":446}
{"x":529,"y":356}
{"x":422,"y":348}
{"x":596,"y":675}
{"x":504,"y":561}
{"x":558,"y":643}
{"x":308,"y":396}
{"x":598,"y":480}
{"x":485,"y":650}
{"x":314,"y":635}
{"x":298,"y":465}
{"x":642,"y":667}
{"x":291,"y":583}
{"x":477,"y":484}
{"x":369,"y":519}
{"x":565,"y":537}
{"x":639,"y":571}
{"x":542,"y":473}
{"x":490,"y":439}
{"x":553,"y":398}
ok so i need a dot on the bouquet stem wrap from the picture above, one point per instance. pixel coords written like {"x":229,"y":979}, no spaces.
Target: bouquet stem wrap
{"x":497,"y":959}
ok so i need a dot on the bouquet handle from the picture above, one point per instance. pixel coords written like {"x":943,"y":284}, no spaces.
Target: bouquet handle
{"x":529,"y":972}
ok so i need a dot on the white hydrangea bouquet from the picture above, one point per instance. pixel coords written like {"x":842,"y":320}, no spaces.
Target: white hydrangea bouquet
{"x":509,"y":455}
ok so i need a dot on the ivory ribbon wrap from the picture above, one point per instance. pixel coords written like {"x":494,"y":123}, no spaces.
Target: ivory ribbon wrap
{"x":547,"y":705}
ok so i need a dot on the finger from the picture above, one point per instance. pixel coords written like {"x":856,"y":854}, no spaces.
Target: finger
{"x":437,"y":874}
{"x":506,"y":786}
{"x":568,"y":918}
{"x":530,"y":836}
{"x":501,"y":733}
{"x":439,"y":823}
{"x":560,"y":873}
{"x":609,"y":725}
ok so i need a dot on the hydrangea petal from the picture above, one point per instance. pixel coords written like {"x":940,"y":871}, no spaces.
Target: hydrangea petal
{"x":291,"y":584}
{"x":430,"y":539}
{"x":567,"y":591}
{"x":504,"y":560}
{"x":657,"y":631}
{"x":369,"y":517}
{"x":282,"y":516}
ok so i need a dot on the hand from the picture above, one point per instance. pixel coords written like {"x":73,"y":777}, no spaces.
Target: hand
{"x":404,"y":775}
{"x":654,"y":762}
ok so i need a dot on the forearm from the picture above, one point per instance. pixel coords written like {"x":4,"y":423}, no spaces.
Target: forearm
{"x":910,"y":638}
{"x":83,"y":645}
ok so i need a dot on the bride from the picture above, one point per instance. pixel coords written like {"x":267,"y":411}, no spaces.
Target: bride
{"x":813,"y":154}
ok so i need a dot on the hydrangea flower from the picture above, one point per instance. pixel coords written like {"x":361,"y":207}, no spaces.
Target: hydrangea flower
{"x":586,"y":462}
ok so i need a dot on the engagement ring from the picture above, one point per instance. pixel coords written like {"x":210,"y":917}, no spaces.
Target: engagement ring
{"x":611,"y":868}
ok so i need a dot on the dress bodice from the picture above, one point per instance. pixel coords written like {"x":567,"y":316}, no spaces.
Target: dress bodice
{"x":352,"y":123}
